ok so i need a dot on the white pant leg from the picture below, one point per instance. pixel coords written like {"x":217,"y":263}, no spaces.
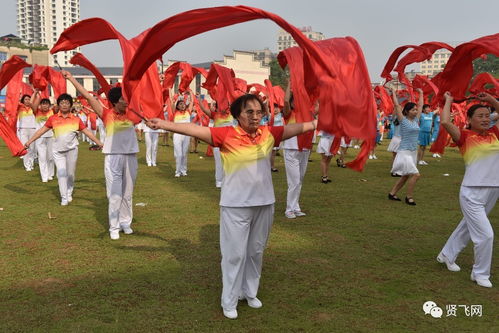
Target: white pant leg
{"x":177,"y":151}
{"x":43,"y":159}
{"x":457,"y":241}
{"x":102,"y":133}
{"x":244,"y":233}
{"x":66,"y":164}
{"x":94,"y":132}
{"x":24,"y":135}
{"x":185,"y":152}
{"x":154,"y":139}
{"x":296,"y":165}
{"x":120,"y":171}
{"x":259,"y":234}
{"x":235,"y":224}
{"x":130,"y":167}
{"x":71,"y":159}
{"x":50,"y":157}
{"x":219,"y":171}
{"x":476,"y":203}
{"x":149,"y":148}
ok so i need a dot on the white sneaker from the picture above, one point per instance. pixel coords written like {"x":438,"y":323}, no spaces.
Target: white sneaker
{"x":184,"y":174}
{"x":356,"y":147}
{"x":177,"y":175}
{"x":481,"y":282}
{"x":290,"y":215}
{"x":154,"y":164}
{"x":149,"y":164}
{"x":231,"y":314}
{"x":127,"y":230}
{"x":299,"y":213}
{"x":70,"y":198}
{"x":45,"y":181}
{"x":374,"y":157}
{"x":114,"y":235}
{"x":218,"y":184}
{"x":254,"y":303}
{"x":64,"y":202}
{"x":370,"y":157}
{"x":51,"y":178}
{"x":451,"y":266}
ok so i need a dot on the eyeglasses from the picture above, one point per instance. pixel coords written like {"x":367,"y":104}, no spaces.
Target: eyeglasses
{"x":251,"y":113}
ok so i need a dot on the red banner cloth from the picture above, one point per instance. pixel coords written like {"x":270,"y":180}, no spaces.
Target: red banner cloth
{"x":10,"y":68}
{"x":482,"y":79}
{"x":347,"y":106}
{"x":167,"y":33}
{"x":220,"y":85}
{"x":457,"y":74}
{"x":148,"y":98}
{"x":10,"y":138}
{"x":188,"y":74}
{"x":80,"y":60}
{"x":390,"y":64}
{"x":386,"y":102}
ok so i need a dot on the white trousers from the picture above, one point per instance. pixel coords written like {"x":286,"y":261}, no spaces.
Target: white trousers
{"x":102,"y":133}
{"x":29,"y":159}
{"x":65,"y":162}
{"x":45,"y":157}
{"x":120,"y":171}
{"x":295,"y":162}
{"x":244,"y":232}
{"x":476,"y":203}
{"x":219,"y":170}
{"x":151,"y":147}
{"x":94,"y":132}
{"x":180,"y":151}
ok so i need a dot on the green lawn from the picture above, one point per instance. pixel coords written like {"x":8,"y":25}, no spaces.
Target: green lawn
{"x":356,"y":263}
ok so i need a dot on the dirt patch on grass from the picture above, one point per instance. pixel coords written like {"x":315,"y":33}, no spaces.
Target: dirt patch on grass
{"x":47,"y":286}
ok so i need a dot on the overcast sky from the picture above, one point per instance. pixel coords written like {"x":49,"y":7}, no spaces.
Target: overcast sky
{"x":378,"y":25}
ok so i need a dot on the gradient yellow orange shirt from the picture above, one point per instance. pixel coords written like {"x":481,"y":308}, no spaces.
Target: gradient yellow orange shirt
{"x":481,"y":157}
{"x":65,"y":131}
{"x":247,"y":178}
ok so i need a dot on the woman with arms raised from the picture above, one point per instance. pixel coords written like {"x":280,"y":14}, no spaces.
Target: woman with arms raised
{"x":479,"y":146}
{"x":247,"y":195}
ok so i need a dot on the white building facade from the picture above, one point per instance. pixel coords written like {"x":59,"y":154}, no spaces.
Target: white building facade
{"x":42,"y":22}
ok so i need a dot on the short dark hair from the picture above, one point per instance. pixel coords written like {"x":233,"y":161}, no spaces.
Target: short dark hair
{"x":65,"y":97}
{"x":237,"y":106}
{"x":114,"y":94}
{"x":45,"y":101}
{"x":24,"y":96}
{"x":178,"y":102}
{"x":407,"y":107}
{"x":471,"y":111}
{"x":426,"y":106}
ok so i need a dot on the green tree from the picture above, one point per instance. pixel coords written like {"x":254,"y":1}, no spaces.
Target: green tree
{"x":490,"y":65}
{"x":278,"y":76}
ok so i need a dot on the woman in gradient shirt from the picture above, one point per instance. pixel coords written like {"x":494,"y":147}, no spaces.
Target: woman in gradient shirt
{"x":26,"y":127}
{"x":479,"y":192}
{"x":66,"y":127}
{"x":247,"y":196}
{"x":120,"y":156}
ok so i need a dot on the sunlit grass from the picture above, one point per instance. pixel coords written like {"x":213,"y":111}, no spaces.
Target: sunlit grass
{"x":356,"y":262}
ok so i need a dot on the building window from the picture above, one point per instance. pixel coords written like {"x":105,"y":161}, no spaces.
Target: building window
{"x":95,"y":85}
{"x":3,"y":56}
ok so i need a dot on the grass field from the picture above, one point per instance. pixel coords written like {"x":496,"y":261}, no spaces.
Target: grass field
{"x":356,"y":263}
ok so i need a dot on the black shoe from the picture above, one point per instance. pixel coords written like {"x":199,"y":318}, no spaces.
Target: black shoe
{"x":394,"y":197}
{"x":410,"y":201}
{"x":325,"y":180}
{"x":274,"y":170}
{"x":395,"y":175}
